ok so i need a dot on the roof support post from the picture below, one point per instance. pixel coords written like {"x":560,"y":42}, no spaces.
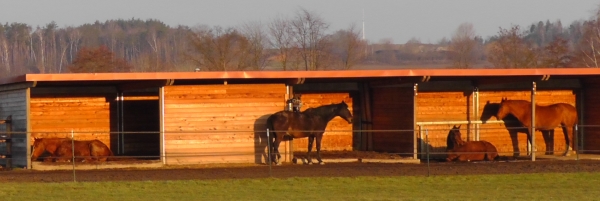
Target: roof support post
{"x":415,"y":134}
{"x":532,"y":126}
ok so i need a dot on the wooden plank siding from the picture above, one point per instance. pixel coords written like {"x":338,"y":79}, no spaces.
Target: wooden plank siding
{"x":56,"y":116}
{"x":338,"y":134}
{"x":392,"y":111}
{"x":14,"y":103}
{"x":499,"y":135}
{"x":219,"y":123}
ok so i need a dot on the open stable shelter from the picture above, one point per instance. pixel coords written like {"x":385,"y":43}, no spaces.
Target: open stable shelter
{"x":219,"y":117}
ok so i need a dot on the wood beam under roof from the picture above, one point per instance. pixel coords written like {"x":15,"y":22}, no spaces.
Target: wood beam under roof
{"x":145,"y":84}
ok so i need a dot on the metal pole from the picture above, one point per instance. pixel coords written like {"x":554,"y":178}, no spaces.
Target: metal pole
{"x":427,"y":139}
{"x":532,"y":127}
{"x":575,"y":141}
{"x":269,"y":153}
{"x":73,"y":154}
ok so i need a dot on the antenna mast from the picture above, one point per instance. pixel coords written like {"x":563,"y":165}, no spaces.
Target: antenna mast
{"x":363,"y":23}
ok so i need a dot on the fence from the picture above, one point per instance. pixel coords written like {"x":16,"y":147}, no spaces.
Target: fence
{"x":427,"y":143}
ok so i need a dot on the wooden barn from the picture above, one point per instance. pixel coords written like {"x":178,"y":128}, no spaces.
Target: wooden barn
{"x":219,"y":117}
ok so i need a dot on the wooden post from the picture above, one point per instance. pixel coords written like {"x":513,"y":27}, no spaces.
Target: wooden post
{"x":532,"y":127}
{"x":415,"y":90}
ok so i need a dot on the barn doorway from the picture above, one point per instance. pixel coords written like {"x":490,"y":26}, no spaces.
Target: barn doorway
{"x":137,"y":125}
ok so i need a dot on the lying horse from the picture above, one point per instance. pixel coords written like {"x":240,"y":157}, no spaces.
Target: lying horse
{"x":311,"y":123}
{"x":547,"y":118}
{"x":50,"y":145}
{"x":88,"y":151}
{"x":469,"y":151}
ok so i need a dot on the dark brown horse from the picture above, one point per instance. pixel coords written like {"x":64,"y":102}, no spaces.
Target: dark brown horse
{"x":85,"y":151}
{"x":311,"y":123}
{"x":46,"y":145}
{"x":469,"y":151}
{"x":547,"y":118}
{"x":454,"y":141}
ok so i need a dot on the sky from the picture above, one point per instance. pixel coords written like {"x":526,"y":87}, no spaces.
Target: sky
{"x":398,"y":20}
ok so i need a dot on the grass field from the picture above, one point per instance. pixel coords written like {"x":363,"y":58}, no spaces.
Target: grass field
{"x":575,"y":186}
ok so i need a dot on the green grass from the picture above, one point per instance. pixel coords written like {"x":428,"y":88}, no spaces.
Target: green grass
{"x":572,"y":186}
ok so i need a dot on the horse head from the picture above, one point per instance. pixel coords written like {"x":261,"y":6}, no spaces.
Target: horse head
{"x":489,"y":110}
{"x":38,"y":148}
{"x":454,"y":139}
{"x":344,"y":112}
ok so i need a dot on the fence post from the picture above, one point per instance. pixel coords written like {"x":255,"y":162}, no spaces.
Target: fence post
{"x":73,"y":154}
{"x":427,"y":144}
{"x":269,"y":152}
{"x":576,"y":141}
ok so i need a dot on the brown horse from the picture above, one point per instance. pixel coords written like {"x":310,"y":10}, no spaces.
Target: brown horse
{"x":469,"y":151}
{"x":511,"y":124}
{"x":85,"y":151}
{"x":311,"y":123}
{"x":546,"y":118}
{"x":49,"y":145}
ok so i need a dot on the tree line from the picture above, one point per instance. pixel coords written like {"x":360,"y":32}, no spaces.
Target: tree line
{"x":300,"y":41}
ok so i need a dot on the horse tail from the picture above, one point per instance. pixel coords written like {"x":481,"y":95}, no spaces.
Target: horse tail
{"x":271,"y":128}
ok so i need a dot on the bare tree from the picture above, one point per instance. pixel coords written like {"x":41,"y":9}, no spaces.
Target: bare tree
{"x":257,"y":41}
{"x":511,"y":50}
{"x":309,"y":31}
{"x":590,"y":42}
{"x":463,"y":45}
{"x":219,"y":49}
{"x":348,"y":47}
{"x":283,"y":37}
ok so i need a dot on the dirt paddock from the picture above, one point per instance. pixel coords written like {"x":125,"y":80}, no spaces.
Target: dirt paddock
{"x":239,"y":171}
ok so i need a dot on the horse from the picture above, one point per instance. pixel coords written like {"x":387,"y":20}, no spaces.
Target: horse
{"x":89,"y":150}
{"x":511,"y":124}
{"x":453,"y":141}
{"x":310,"y":123}
{"x":469,"y":151}
{"x":546,"y":118}
{"x":50,"y":145}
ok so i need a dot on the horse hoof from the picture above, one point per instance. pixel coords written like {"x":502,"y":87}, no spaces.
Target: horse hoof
{"x":309,"y":163}
{"x":278,"y":164}
{"x":295,"y":161}
{"x":321,"y":163}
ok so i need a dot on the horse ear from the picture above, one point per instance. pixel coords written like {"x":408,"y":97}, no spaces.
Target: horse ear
{"x":458,"y":126}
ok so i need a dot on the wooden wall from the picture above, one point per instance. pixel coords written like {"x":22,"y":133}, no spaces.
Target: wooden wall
{"x":56,"y":116}
{"x":14,"y":103}
{"x":499,"y":135}
{"x":338,"y":134}
{"x":591,"y":116}
{"x":225,"y":123}
{"x":393,"y":109}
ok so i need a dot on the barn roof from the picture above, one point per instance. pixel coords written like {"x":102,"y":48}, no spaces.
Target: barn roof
{"x":409,"y":75}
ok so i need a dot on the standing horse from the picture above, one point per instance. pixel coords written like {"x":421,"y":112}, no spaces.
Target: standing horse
{"x":469,"y":151}
{"x":50,"y":145}
{"x":311,"y":123}
{"x":546,"y":118}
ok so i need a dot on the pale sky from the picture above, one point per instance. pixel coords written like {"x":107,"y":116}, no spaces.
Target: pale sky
{"x":399,"y":20}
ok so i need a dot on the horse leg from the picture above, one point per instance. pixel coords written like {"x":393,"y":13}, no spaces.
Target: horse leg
{"x":319,"y":138}
{"x":569,"y":139}
{"x":515,"y":142}
{"x":275,"y":154}
{"x":311,"y":139}
{"x":549,"y":140}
